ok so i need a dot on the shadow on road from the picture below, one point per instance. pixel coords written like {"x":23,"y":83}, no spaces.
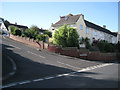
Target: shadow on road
{"x":28,"y":69}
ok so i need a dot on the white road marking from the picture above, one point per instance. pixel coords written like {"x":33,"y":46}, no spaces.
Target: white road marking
{"x":14,"y":46}
{"x":9,"y":85}
{"x":35,"y":54}
{"x":24,"y":82}
{"x":49,"y":77}
{"x":4,"y":37}
{"x":68,"y":65}
{"x":57,"y":76}
{"x":36,"y":80}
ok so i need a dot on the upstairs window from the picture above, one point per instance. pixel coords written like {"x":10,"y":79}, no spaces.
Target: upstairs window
{"x":95,"y":33}
{"x":101,"y":34}
{"x":87,"y":30}
{"x":81,"y":27}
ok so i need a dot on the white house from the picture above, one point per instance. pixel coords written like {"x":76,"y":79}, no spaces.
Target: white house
{"x":3,"y":27}
{"x":85,"y":28}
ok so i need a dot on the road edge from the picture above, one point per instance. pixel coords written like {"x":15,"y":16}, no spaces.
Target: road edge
{"x":13,"y":71}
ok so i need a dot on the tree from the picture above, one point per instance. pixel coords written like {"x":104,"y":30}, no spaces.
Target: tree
{"x":66,"y":36}
{"x":72,"y":39}
{"x":2,"y":19}
{"x":60,"y":36}
{"x":14,"y":30}
{"x":35,"y":28}
{"x":49,"y":33}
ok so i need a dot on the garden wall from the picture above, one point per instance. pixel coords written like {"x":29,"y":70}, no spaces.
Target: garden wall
{"x":28,"y":41}
{"x":69,"y":51}
{"x":83,"y":55}
{"x":101,"y":56}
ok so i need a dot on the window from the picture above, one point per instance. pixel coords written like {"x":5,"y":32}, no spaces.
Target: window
{"x":87,"y":30}
{"x":95,"y":33}
{"x":71,"y":25}
{"x":66,"y":18}
{"x":81,"y":27}
{"x":101,"y":34}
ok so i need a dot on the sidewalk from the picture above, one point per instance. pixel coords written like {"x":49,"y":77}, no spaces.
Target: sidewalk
{"x":8,"y":67}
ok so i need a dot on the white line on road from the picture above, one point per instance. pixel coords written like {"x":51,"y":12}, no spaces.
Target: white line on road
{"x":24,"y":82}
{"x":36,"y":80}
{"x":68,"y":65}
{"x":35,"y":54}
{"x":14,"y":46}
{"x":4,"y":37}
{"x":49,"y":77}
{"x":57,"y":76}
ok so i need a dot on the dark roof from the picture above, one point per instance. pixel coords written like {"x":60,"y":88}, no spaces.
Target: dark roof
{"x":71,"y":19}
{"x":74,"y":18}
{"x":99,"y":28}
{"x":42,"y":30}
{"x":19,"y":26}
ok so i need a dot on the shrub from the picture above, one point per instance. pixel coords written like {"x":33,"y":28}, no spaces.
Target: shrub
{"x":48,"y":33}
{"x":66,"y":36}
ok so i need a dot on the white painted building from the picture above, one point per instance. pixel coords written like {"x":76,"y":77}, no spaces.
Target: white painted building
{"x":85,"y":28}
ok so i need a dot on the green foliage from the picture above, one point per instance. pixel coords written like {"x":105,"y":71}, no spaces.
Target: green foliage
{"x":118,"y":46}
{"x":35,"y":28}
{"x":14,"y":30}
{"x":104,"y":46}
{"x":72,"y":39}
{"x":86,"y":41}
{"x":67,"y":37}
{"x":49,"y":33}
{"x":41,"y":37}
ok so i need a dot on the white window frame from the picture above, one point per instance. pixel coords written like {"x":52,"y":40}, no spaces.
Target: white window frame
{"x":87,"y":30}
{"x":95,"y":33}
{"x":81,"y":27}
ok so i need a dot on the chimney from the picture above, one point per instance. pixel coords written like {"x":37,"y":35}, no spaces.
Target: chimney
{"x":104,"y":26}
{"x":82,"y":16}
{"x":15,"y":23}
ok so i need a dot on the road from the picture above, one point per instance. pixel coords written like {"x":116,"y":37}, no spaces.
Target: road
{"x":43,"y":69}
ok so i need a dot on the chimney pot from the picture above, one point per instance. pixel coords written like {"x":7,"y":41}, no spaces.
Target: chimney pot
{"x":15,"y":23}
{"x":104,"y":26}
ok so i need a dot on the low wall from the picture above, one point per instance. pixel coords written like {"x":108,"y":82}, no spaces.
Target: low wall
{"x":83,"y":55}
{"x":28,"y":41}
{"x":73,"y":52}
{"x":101,"y":56}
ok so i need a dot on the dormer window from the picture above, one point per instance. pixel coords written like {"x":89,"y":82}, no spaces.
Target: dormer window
{"x":66,"y":18}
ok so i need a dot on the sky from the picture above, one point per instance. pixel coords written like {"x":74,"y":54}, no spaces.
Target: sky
{"x":42,"y":14}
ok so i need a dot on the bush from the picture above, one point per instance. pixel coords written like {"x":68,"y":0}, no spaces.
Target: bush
{"x":66,"y":36}
{"x":48,"y":33}
{"x":104,"y":46}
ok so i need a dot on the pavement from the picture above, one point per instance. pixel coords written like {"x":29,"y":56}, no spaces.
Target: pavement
{"x":43,"y":69}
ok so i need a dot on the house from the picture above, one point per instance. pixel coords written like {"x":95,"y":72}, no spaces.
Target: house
{"x":19,"y":26}
{"x":3,"y":28}
{"x":85,"y":28}
{"x":41,"y":30}
{"x":118,"y":35}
